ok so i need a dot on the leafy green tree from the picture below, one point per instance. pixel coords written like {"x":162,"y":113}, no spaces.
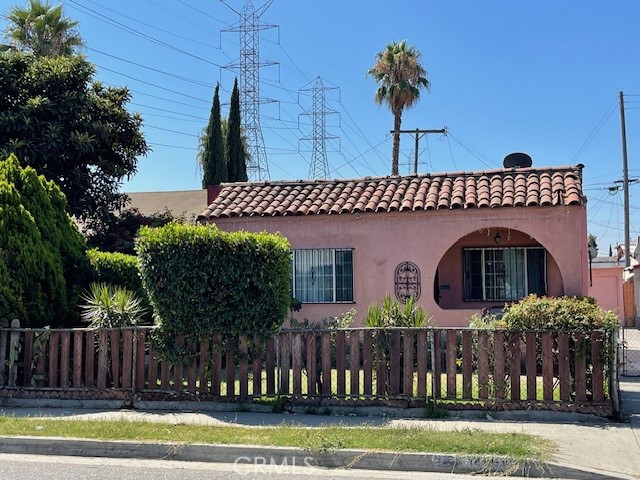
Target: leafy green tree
{"x":72,"y":130}
{"x":211,"y":154}
{"x":41,"y":29}
{"x":119,"y":234}
{"x":400,"y":76}
{"x":41,"y":250}
{"x":236,"y":158}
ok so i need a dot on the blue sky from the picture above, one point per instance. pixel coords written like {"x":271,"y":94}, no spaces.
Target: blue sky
{"x":540,"y":77}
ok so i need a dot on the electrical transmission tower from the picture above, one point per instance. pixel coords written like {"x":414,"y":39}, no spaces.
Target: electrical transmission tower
{"x":249,"y":27}
{"x":319,"y":166}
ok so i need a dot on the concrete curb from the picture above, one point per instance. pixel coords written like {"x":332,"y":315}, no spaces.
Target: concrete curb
{"x":259,"y":455}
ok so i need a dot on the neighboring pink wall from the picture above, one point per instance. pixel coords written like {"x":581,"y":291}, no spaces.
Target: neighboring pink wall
{"x":381,"y":241}
{"x":607,"y":288}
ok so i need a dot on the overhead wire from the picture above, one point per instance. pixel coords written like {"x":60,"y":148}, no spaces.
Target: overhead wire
{"x":133,"y":31}
{"x":155,"y":27}
{"x":477,"y":153}
{"x":595,"y":131}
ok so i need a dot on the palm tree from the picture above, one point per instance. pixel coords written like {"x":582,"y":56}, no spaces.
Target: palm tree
{"x":400,"y":76}
{"x":41,"y":29}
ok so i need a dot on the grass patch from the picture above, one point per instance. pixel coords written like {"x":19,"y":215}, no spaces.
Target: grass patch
{"x":317,"y":439}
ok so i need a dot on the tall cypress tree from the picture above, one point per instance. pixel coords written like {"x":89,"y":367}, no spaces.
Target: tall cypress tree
{"x":236,"y":157}
{"x":211,"y":154}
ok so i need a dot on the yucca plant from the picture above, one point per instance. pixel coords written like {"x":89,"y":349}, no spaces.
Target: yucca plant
{"x":109,"y":306}
{"x":391,"y":313}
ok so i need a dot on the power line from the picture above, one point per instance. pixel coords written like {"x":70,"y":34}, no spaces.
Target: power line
{"x":155,"y":27}
{"x":174,"y":14}
{"x":153,"y":84}
{"x":170,"y":130}
{"x":470,"y":148}
{"x":137,"y":33}
{"x":595,"y":131}
{"x":173,"y":75}
{"x":167,"y":111}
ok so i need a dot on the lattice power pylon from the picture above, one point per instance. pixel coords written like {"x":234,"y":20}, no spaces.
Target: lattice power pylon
{"x":319,"y":165}
{"x":249,"y":27}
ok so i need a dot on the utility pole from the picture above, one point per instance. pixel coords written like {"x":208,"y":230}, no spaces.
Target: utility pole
{"x":625,"y":184}
{"x":418,"y":135}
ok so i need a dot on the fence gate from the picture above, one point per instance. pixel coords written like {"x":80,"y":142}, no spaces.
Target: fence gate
{"x":630,"y":343}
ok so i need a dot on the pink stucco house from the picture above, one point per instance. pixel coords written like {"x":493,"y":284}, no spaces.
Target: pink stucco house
{"x":460,"y":242}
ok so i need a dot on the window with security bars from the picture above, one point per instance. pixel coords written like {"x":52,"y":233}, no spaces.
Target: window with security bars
{"x":323,"y":275}
{"x":504,"y":274}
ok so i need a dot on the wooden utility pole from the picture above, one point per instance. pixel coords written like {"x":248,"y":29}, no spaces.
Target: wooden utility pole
{"x":418,"y":135}
{"x":625,"y":184}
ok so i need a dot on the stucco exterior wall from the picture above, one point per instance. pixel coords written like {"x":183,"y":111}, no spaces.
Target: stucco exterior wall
{"x":381,"y":241}
{"x":607,"y":288}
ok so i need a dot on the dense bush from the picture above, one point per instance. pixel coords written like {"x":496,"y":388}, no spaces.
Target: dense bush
{"x":41,"y":250}
{"x":545,"y":313}
{"x":200,"y":279}
{"x":10,"y":296}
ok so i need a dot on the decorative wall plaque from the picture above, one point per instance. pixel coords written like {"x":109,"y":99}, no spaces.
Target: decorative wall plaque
{"x":407,"y":281}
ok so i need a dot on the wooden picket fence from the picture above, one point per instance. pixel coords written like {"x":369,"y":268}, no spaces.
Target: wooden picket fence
{"x":463,"y":368}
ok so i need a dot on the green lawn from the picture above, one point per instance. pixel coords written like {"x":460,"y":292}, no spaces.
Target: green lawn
{"x":314,"y":439}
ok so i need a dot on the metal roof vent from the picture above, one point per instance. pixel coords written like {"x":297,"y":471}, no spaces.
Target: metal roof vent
{"x":517,"y":160}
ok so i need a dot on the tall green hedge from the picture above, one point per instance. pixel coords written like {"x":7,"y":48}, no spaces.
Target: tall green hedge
{"x":41,"y":250}
{"x":200,"y":279}
{"x":116,"y":269}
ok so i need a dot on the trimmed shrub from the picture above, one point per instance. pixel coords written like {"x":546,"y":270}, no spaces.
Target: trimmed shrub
{"x":200,"y":279}
{"x":42,"y":251}
{"x":562,"y":313}
{"x":116,"y":269}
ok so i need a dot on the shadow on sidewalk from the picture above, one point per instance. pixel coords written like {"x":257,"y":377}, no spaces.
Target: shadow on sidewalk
{"x":630,"y":397}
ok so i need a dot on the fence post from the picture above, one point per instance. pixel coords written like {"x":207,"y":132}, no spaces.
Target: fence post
{"x":3,"y":355}
{"x":436,"y":364}
{"x":134,"y":360}
{"x":278,"y":366}
{"x":615,"y":392}
{"x":14,"y":347}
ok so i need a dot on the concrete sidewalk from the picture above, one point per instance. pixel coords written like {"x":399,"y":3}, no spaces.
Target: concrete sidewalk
{"x":584,"y":442}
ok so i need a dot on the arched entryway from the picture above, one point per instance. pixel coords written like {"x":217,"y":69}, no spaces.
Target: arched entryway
{"x":493,"y":266}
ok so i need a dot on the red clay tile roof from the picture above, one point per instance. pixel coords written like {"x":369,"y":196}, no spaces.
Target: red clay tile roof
{"x":523,"y":187}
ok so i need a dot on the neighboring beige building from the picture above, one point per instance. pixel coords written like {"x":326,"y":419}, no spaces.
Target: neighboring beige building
{"x":187,"y":203}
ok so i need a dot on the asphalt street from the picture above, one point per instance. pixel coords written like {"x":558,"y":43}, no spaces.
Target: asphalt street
{"x":40,"y":467}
